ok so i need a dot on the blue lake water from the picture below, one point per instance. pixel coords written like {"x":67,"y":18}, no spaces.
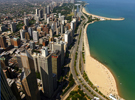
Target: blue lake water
{"x":113,"y":42}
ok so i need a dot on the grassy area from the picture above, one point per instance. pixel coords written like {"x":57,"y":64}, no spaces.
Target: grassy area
{"x":65,"y":9}
{"x":83,"y":55}
{"x":78,"y":94}
{"x":19,"y":26}
{"x":71,"y":14}
{"x":31,"y":22}
{"x":71,"y":83}
{"x":38,"y":75}
{"x":80,"y":64}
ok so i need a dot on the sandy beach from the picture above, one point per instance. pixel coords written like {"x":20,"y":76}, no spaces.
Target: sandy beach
{"x":105,"y":18}
{"x":98,"y":74}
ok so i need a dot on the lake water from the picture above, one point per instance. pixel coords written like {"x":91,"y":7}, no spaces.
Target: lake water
{"x":113,"y":42}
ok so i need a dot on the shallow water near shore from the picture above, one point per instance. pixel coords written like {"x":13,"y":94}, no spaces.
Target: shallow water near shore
{"x":113,"y":42}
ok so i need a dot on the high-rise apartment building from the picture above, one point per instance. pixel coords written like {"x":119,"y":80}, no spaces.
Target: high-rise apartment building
{"x":28,"y":77}
{"x":48,"y":20}
{"x":37,"y":12}
{"x":27,"y":36}
{"x":22,"y":34}
{"x":45,"y":10}
{"x":3,"y":43}
{"x":62,"y":28}
{"x":48,"y":9}
{"x":62,"y":17}
{"x":26,"y":21}
{"x":56,"y":63}
{"x":36,"y":61}
{"x":45,"y":16}
{"x":73,"y":26}
{"x":46,"y":72}
{"x":51,"y":33}
{"x":6,"y":92}
{"x":32,"y":45}
{"x":30,"y":31}
{"x":60,"y":47}
{"x":40,"y":13}
{"x":37,"y":19}
{"x":17,"y":42}
{"x":13,"y":27}
{"x":68,"y":37}
{"x":35,"y":36}
{"x":13,"y":87}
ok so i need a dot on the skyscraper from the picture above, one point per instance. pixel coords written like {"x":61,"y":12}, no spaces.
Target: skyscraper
{"x":59,"y":15}
{"x":27,"y":36}
{"x":24,"y":14}
{"x":62,"y":17}
{"x":37,"y":19}
{"x":28,"y":77}
{"x":45,"y":17}
{"x":30,"y":31}
{"x":46,"y":72}
{"x":6,"y":93}
{"x":26,"y":22}
{"x":51,"y":33}
{"x":62,"y":28}
{"x":75,"y":13}
{"x":13,"y":87}
{"x":35,"y":36}
{"x":60,"y":47}
{"x":32,"y":45}
{"x":37,"y":12}
{"x":45,"y":10}
{"x":73,"y":26}
{"x":56,"y":63}
{"x":3,"y":43}
{"x":68,"y":37}
{"x":48,"y":20}
{"x":52,"y":26}
{"x":40,"y":13}
{"x":36,"y":61}
{"x":13,"y":27}
{"x":22,"y":34}
{"x":48,"y":9}
{"x":17,"y":42}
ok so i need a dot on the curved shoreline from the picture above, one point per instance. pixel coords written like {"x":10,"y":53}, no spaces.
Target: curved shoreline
{"x":101,"y":17}
{"x":98,"y":74}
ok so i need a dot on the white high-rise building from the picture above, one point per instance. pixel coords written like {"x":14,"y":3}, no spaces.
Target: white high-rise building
{"x":59,"y":15}
{"x":44,"y":52}
{"x":45,"y":17}
{"x":37,"y":12}
{"x":26,"y":22}
{"x":40,"y":13}
{"x":62,"y":29}
{"x":48,"y":20}
{"x":63,"y":22}
{"x":48,"y":9}
{"x":72,"y":26}
{"x":37,"y":19}
{"x":35,"y":36}
{"x":62,"y":17}
{"x":52,"y":26}
{"x":22,"y":34}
